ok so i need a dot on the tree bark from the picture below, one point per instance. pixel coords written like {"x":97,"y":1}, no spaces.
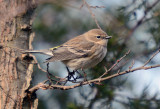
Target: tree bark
{"x":15,"y":73}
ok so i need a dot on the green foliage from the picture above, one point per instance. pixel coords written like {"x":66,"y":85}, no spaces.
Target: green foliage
{"x":41,"y":105}
{"x":73,"y":106}
{"x":53,"y":31}
{"x":154,"y":30}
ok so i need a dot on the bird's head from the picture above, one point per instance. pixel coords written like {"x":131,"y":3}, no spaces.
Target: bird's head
{"x":97,"y":36}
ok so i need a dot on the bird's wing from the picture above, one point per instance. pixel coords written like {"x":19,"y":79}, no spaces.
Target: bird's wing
{"x":67,"y":52}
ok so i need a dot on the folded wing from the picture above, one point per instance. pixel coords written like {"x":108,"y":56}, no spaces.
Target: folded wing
{"x":67,"y":52}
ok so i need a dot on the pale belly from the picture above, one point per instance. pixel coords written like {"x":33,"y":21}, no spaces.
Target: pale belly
{"x":87,"y":62}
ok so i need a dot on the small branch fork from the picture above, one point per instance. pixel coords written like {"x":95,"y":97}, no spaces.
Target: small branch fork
{"x":144,"y":19}
{"x":90,"y":11}
{"x":114,"y":64}
{"x":44,"y":86}
{"x":58,"y":80}
{"x":149,"y":8}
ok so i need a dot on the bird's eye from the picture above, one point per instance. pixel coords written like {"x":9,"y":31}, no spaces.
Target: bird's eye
{"x":98,"y":37}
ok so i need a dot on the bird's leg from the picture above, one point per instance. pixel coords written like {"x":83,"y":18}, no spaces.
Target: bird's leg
{"x":85,"y":75}
{"x":70,"y":75}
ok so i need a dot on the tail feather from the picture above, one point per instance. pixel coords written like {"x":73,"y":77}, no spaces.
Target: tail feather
{"x":45,"y":51}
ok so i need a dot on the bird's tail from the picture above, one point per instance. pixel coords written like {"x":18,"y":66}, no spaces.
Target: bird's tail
{"x":44,"y":51}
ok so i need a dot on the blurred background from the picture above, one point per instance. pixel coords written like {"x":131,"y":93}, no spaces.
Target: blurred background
{"x":134,"y":25}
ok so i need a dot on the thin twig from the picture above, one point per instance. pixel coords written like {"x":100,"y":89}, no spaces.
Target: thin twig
{"x":38,"y":65}
{"x":142,"y":20}
{"x":151,"y":57}
{"x":90,"y":11}
{"x":46,"y":86}
{"x":130,"y":67}
{"x":115,"y":63}
{"x":146,"y":12}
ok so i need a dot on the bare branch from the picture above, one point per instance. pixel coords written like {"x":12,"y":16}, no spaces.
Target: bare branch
{"x":90,"y":11}
{"x":46,"y":86}
{"x":97,"y":80}
{"x":151,"y":57}
{"x":146,"y":12}
{"x":116,"y":63}
{"x":130,"y":67}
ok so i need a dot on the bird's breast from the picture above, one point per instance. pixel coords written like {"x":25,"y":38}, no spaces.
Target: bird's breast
{"x":96,"y":56}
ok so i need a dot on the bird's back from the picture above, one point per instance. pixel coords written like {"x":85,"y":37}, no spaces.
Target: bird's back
{"x":74,"y":48}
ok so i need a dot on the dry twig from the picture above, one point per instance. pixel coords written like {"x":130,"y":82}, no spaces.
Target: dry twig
{"x":46,"y":86}
{"x":115,"y":64}
{"x":143,"y":19}
{"x":90,"y":11}
{"x":151,"y":57}
{"x":97,"y":80}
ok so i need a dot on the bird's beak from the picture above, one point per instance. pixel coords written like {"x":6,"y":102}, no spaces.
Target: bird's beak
{"x":108,"y":37}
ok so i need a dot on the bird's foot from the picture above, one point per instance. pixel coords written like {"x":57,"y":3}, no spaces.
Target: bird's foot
{"x":70,"y":76}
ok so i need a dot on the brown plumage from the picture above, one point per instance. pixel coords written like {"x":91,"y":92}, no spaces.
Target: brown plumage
{"x":83,"y":51}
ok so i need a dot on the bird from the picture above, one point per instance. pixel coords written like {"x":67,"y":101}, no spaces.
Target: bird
{"x":81,"y":52}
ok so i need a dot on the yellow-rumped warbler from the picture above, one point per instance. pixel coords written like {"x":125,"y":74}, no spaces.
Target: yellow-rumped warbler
{"x":81,"y":52}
